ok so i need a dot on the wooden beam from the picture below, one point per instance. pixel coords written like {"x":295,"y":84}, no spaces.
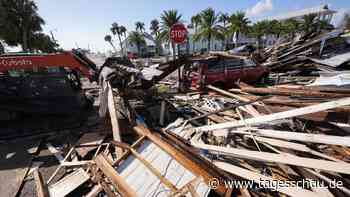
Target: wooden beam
{"x":340,"y":167}
{"x":292,"y":92}
{"x":116,"y":179}
{"x":41,"y":187}
{"x":278,"y":116}
{"x":114,"y":118}
{"x":302,"y":137}
{"x":257,"y":178}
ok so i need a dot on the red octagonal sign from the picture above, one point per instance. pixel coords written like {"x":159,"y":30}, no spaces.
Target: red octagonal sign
{"x":178,"y":33}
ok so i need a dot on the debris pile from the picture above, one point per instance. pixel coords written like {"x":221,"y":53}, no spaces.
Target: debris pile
{"x":289,"y":139}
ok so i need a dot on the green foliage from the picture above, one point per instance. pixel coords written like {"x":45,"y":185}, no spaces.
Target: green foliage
{"x":140,"y":26}
{"x":154,"y":27}
{"x":118,"y":30}
{"x":137,"y":38}
{"x":209,"y":27}
{"x":21,"y":24}
{"x":167,"y":20}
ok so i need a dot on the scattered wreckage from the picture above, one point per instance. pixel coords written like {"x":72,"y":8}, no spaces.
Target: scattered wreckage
{"x":156,"y":141}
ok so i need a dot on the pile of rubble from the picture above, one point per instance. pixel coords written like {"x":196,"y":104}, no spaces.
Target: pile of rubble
{"x":289,"y":139}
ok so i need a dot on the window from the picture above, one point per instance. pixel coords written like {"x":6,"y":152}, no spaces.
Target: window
{"x":249,"y":63}
{"x":233,"y":63}
{"x":215,"y":66}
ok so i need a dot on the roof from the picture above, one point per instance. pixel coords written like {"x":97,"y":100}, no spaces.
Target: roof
{"x":323,"y":9}
{"x":334,"y":61}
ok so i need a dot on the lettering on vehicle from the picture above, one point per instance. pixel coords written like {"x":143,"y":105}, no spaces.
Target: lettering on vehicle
{"x":14,"y":63}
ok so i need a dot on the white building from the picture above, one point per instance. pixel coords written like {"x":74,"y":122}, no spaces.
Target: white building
{"x":322,"y":12}
{"x":149,"y":49}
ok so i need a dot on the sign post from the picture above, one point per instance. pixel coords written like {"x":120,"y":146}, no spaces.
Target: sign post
{"x":178,"y":35}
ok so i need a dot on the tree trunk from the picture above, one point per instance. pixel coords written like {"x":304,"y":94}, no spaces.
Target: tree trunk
{"x":113,"y":46}
{"x":194,"y":43}
{"x":209,"y":39}
{"x":120,"y":43}
{"x":24,"y":40}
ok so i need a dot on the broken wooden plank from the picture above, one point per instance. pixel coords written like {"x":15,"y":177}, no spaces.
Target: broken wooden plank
{"x":68,"y":183}
{"x":89,"y":141}
{"x":114,"y":118}
{"x":277,"y":116}
{"x":95,"y":191}
{"x":287,"y":135}
{"x":340,"y":167}
{"x":292,"y":92}
{"x":41,"y":187}
{"x":112,"y":174}
{"x":257,"y":178}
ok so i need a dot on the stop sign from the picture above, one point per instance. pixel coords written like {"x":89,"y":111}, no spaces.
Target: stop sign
{"x":178,"y":33}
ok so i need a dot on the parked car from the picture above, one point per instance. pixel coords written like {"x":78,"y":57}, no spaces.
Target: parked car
{"x":223,"y":72}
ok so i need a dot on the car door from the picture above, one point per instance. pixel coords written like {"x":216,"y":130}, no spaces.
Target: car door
{"x":215,"y":72}
{"x":233,"y":71}
{"x":251,"y":71}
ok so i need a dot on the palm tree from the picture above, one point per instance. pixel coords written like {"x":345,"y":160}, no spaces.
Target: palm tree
{"x":290,"y":27}
{"x":238,"y":24}
{"x":140,"y":26}
{"x":154,"y":27}
{"x":19,"y":22}
{"x":224,"y":18}
{"x":168,"y":19}
{"x":209,"y":26}
{"x":308,"y":23}
{"x":137,"y":38}
{"x":259,"y":29}
{"x":155,"y":31}
{"x":116,"y":30}
{"x":108,"y":38}
{"x":195,"y":20}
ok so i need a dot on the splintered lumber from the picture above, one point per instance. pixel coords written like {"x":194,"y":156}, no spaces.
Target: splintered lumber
{"x":302,"y":137}
{"x":95,"y":191}
{"x":278,"y":116}
{"x":250,"y":108}
{"x":41,"y":187}
{"x":293,"y":146}
{"x":68,"y":183}
{"x":114,"y":118}
{"x":88,"y":142}
{"x":186,"y":160}
{"x":260,"y":179}
{"x":340,"y":167}
{"x":111,"y":173}
{"x":292,"y":92}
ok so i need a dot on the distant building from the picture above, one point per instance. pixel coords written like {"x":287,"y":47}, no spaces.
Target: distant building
{"x":322,"y":12}
{"x":149,"y":49}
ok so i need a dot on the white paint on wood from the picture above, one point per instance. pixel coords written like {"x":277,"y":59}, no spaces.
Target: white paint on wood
{"x":247,"y":174}
{"x":68,"y":183}
{"x":340,"y":167}
{"x":278,"y":116}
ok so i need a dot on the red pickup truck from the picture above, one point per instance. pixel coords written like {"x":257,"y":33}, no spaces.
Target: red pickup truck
{"x":223,"y":72}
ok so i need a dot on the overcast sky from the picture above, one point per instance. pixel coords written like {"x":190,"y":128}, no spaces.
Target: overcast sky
{"x":84,"y":23}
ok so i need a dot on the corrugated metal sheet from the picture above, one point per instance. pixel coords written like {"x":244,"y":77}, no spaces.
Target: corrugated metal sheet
{"x":146,"y":184}
{"x":334,"y":61}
